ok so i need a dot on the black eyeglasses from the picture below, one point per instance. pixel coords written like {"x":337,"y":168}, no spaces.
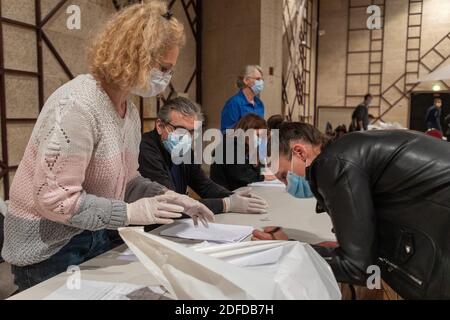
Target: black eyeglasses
{"x":175,"y":128}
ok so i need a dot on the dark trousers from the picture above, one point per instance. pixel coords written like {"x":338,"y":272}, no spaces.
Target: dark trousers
{"x":80,"y":249}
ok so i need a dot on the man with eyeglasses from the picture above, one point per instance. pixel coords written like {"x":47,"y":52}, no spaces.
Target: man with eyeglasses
{"x":173,"y":135}
{"x":250,"y":84}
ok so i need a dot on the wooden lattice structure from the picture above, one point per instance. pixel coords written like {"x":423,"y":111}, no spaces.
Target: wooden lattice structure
{"x":190,"y":8}
{"x":298,"y":73}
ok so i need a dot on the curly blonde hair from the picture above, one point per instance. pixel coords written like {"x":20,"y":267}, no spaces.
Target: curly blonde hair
{"x":132,"y":43}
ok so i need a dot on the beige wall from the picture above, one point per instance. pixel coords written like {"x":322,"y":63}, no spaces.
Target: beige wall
{"x":332,"y":55}
{"x":237,"y":33}
{"x":271,"y":54}
{"x":20,"y":53}
{"x":231,"y":39}
{"x":184,"y":69}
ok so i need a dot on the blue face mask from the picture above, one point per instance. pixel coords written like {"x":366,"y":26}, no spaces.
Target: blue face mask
{"x":297,"y":186}
{"x":181,"y":144}
{"x":258,"y":87}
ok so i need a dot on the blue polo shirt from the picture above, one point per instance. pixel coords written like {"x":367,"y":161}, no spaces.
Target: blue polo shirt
{"x":238,"y":107}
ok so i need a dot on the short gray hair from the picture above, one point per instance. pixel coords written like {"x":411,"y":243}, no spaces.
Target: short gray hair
{"x":181,"y":105}
{"x":248,"y":70}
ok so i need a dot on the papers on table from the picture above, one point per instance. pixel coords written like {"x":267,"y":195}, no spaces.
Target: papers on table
{"x":274,"y":183}
{"x":261,"y":270}
{"x":127,"y":255}
{"x":218,"y":233}
{"x":245,"y":254}
{"x":96,"y":290}
{"x":257,"y":259}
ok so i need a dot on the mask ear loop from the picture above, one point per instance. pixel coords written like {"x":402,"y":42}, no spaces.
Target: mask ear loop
{"x":169,"y":132}
{"x":292,"y":162}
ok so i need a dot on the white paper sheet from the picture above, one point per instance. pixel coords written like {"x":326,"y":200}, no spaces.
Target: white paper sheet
{"x":97,"y":290}
{"x":127,"y":255}
{"x":274,"y":183}
{"x":263,"y":258}
{"x":219,"y":233}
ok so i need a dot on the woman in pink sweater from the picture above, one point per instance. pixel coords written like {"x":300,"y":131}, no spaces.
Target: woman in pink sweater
{"x":79,"y":175}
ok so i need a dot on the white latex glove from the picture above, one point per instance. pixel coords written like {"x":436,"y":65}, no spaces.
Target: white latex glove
{"x":193,"y":208}
{"x":156,"y":210}
{"x":245,"y":201}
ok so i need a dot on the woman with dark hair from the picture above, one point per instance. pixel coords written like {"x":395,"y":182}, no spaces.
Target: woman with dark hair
{"x":243,"y":168}
{"x":275,"y":122}
{"x":387,"y":193}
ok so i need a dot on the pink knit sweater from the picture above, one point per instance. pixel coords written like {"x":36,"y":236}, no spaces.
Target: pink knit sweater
{"x":78,"y":164}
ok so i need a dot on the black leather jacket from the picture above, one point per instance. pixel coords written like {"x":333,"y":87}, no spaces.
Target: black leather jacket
{"x":388,"y":195}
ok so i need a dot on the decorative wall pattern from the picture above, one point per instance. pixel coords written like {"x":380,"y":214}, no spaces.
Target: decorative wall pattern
{"x":413,"y":41}
{"x":299,"y":33}
{"x":38,"y":54}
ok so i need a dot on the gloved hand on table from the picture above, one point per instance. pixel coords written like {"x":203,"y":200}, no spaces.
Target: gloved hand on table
{"x":245,"y":201}
{"x":193,"y":208}
{"x":156,"y":210}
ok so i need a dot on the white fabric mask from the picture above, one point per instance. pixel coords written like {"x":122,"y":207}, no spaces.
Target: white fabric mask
{"x":157,"y":83}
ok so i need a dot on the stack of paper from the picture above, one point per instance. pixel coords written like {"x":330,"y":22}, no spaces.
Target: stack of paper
{"x":218,"y":233}
{"x":273,"y":183}
{"x":127,"y":255}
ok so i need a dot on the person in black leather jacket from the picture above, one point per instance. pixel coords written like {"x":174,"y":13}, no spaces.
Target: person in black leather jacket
{"x":388,"y":195}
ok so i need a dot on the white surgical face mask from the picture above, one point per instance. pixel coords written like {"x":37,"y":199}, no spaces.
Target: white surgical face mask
{"x":178,"y":144}
{"x":258,"y":87}
{"x":157,"y":83}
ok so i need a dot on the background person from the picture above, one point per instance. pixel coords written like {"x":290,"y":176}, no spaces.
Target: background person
{"x":360,"y":117}
{"x":237,"y":175}
{"x":250,"y":84}
{"x":275,"y":122}
{"x":447,"y":127}
{"x":433,"y":116}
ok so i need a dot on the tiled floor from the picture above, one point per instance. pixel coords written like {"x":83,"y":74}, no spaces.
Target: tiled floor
{"x":6,"y":281}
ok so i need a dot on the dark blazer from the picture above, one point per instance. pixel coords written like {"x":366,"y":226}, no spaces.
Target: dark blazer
{"x":234,"y":176}
{"x":155,"y":163}
{"x":388,"y":195}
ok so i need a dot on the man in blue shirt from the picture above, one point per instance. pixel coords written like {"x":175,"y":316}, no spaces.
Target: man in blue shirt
{"x":247,"y":100}
{"x":433,"y":116}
